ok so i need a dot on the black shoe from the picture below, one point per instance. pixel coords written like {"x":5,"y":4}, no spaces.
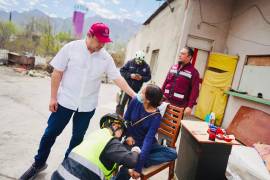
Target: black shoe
{"x":32,"y":172}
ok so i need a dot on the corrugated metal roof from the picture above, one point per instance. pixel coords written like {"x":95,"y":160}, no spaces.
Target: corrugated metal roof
{"x":163,"y":6}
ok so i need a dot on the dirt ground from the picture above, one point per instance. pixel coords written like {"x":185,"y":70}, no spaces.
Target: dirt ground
{"x":23,"y":117}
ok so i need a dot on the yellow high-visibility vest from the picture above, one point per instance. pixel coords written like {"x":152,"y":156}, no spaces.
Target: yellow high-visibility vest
{"x":89,"y":151}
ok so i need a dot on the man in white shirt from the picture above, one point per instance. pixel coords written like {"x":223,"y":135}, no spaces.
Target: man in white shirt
{"x":75,"y":83}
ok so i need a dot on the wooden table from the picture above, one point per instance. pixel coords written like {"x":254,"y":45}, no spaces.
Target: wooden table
{"x":198,"y":157}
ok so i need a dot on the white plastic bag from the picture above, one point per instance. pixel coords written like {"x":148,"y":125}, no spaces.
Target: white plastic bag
{"x":246,"y":164}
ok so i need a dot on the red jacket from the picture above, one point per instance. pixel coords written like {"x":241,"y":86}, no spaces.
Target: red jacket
{"x":181,"y":86}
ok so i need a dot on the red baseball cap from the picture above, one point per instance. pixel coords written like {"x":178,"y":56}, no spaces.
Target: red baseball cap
{"x":101,"y":31}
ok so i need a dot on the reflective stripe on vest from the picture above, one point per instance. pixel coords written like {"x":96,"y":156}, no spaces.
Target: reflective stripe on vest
{"x":87,"y":164}
{"x":178,"y":95}
{"x":66,"y":174}
{"x":90,"y":150}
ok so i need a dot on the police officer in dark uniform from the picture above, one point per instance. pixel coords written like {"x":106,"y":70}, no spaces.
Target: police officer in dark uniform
{"x":135,"y":72}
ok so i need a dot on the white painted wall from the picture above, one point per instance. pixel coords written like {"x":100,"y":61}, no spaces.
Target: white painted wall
{"x":206,"y":27}
{"x":162,"y":33}
{"x":249,"y":35}
{"x":238,"y":30}
{"x":169,"y":31}
{"x":215,"y":12}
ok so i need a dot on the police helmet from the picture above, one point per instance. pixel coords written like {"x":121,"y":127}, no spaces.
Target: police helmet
{"x":108,"y":119}
{"x":140,"y":55}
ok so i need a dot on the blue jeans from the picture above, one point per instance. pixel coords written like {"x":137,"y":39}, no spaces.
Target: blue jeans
{"x":158,"y":155}
{"x":56,"y":124}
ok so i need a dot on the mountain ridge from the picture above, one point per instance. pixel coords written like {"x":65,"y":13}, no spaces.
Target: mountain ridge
{"x":121,"y":29}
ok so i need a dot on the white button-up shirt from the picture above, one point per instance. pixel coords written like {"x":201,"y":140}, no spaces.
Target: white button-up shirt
{"x":82,"y":75}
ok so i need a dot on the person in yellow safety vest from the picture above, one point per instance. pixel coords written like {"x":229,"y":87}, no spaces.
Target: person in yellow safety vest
{"x":96,"y":157}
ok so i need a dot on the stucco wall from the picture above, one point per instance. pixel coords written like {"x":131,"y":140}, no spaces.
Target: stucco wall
{"x":161,"y":33}
{"x":211,"y":20}
{"x":236,"y":27}
{"x":249,"y":35}
{"x":169,"y":31}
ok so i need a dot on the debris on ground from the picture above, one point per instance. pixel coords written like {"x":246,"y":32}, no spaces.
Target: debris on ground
{"x":38,"y":73}
{"x":20,"y":70}
{"x":33,"y":72}
{"x":3,"y":62}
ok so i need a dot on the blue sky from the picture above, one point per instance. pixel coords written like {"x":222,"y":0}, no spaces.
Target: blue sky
{"x":138,"y":10}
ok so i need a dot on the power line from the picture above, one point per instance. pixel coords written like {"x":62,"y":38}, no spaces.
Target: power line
{"x":213,"y":24}
{"x":227,"y":20}
{"x":247,"y":40}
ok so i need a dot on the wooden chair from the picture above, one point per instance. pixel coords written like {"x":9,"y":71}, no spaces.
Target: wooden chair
{"x":169,"y":130}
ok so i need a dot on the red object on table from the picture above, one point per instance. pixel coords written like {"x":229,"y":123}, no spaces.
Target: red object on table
{"x":212,"y":135}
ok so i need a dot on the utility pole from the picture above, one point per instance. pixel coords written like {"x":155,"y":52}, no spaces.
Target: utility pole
{"x":10,"y":16}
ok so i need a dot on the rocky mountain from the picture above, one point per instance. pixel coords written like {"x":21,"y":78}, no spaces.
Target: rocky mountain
{"x":121,"y":30}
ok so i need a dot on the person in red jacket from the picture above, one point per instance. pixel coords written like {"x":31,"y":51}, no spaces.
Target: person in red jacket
{"x":181,"y":86}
